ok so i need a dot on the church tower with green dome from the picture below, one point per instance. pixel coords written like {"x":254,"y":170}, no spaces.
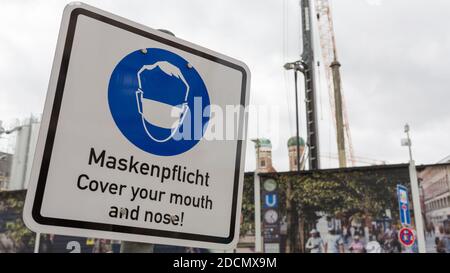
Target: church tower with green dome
{"x":263,"y":148}
{"x":292,"y":148}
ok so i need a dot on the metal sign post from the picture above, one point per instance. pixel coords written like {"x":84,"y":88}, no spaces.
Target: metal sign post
{"x":417,"y":208}
{"x":415,"y":193}
{"x":37,"y":242}
{"x":257,"y":193}
{"x":271,"y":216}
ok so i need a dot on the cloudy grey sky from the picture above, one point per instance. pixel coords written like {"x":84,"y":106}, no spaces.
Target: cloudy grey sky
{"x":394,"y":56}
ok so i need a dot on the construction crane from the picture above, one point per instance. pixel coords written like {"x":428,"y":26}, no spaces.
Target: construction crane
{"x":307,"y":59}
{"x":333,"y":78}
{"x":306,"y":65}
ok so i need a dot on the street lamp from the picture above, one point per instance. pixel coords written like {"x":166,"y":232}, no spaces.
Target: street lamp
{"x":407,"y":141}
{"x":296,"y":66}
{"x":4,"y":131}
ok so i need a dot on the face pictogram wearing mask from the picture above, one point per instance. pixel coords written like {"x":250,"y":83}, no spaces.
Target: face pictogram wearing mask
{"x":160,"y":109}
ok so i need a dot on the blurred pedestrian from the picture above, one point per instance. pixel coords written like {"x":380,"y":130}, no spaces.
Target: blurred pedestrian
{"x":102,"y":246}
{"x":334,"y":242}
{"x":357,"y":246}
{"x":345,"y":232}
{"x":373,"y":246}
{"x":314,"y":243}
{"x":352,"y":231}
{"x":390,"y":241}
{"x":443,"y":245}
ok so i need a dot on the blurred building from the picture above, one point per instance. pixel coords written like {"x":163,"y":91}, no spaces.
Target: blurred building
{"x":263,"y":148}
{"x":292,"y":148}
{"x":435,"y":185}
{"x":26,"y":135}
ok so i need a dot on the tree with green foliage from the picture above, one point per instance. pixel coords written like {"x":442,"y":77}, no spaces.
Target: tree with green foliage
{"x":341,"y":193}
{"x":11,"y":207}
{"x":248,"y":207}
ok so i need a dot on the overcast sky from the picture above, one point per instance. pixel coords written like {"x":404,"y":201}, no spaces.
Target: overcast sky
{"x":394,"y":55}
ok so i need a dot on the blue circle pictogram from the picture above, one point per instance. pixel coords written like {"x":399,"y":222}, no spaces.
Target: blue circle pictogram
{"x":158,"y":101}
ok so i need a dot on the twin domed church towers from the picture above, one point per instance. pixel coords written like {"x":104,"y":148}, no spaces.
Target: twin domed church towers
{"x":263,"y":149}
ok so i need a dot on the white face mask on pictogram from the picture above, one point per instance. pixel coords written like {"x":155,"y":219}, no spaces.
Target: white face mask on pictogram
{"x":158,"y":113}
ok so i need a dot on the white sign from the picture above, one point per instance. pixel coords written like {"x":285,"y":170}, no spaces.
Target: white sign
{"x":127,"y":148}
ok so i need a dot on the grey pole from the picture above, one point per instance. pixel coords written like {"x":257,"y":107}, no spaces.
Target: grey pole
{"x":257,"y":197}
{"x":307,"y":58}
{"x":297,"y":135}
{"x":338,"y":113}
{"x":415,"y":196}
{"x":37,"y":242}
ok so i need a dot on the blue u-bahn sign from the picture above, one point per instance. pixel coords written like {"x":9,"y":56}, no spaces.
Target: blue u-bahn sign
{"x":403,"y":204}
{"x":270,"y":200}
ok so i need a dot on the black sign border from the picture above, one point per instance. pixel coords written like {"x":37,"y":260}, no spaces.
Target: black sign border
{"x":40,"y":188}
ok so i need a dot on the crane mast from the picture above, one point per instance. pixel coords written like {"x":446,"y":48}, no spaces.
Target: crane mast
{"x":307,"y":58}
{"x":333,"y":77}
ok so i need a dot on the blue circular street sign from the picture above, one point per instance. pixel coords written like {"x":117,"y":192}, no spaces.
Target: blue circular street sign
{"x":159,"y":101}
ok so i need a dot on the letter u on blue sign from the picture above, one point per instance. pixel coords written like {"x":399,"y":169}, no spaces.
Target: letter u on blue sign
{"x":270,"y":200}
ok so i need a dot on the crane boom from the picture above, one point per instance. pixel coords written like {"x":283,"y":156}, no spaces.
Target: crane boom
{"x":333,"y":78}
